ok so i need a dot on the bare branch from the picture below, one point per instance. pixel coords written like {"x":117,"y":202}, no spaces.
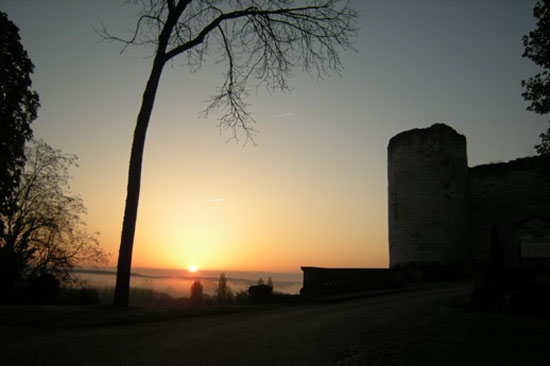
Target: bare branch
{"x":262,"y":43}
{"x":45,"y":232}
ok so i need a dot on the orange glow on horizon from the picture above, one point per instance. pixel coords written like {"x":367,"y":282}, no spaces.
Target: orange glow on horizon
{"x":252,"y":231}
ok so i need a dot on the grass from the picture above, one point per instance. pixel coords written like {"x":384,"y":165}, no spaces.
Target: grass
{"x":82,"y":306}
{"x":63,"y":316}
{"x":479,"y":338}
{"x":87,"y":307}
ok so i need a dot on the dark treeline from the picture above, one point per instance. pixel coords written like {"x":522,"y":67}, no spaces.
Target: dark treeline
{"x":42,"y":233}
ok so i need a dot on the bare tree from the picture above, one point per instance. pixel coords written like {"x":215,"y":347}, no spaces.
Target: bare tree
{"x":261,"y":41}
{"x":44,"y":232}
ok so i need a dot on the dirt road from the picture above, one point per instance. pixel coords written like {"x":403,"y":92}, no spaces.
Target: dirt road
{"x":353,"y":332}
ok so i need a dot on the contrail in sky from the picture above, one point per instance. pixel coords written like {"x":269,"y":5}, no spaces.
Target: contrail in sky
{"x":214,"y":200}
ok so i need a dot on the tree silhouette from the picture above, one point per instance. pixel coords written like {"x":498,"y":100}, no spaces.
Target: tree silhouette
{"x":18,"y":108}
{"x":196,"y":292}
{"x":44,"y":235}
{"x":223,"y":292}
{"x":537,"y":49}
{"x":261,"y":41}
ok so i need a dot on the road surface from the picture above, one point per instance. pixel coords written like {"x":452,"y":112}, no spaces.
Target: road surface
{"x":354,"y":332}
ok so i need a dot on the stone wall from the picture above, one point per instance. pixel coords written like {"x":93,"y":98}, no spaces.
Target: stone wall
{"x":331,"y":281}
{"x":442,"y":212}
{"x":428,"y":197}
{"x":510,"y":202}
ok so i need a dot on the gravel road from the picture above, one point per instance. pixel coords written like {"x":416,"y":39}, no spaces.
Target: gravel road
{"x":352,"y":332}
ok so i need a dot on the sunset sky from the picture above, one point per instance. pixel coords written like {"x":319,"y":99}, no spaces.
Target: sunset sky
{"x":313,"y":190}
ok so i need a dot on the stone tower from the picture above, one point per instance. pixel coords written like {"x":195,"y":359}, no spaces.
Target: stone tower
{"x":428,"y":197}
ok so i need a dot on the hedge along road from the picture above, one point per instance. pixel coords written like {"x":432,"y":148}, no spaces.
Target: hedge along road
{"x":353,"y":332}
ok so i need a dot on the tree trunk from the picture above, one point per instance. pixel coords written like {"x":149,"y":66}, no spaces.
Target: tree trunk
{"x":122,"y":288}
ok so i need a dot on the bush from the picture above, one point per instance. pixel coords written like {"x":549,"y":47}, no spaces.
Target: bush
{"x":260,"y":293}
{"x":242,"y":297}
{"x":79,"y":296}
{"x":146,"y":297}
{"x":42,"y":289}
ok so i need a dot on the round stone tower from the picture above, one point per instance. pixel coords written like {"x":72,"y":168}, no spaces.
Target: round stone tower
{"x":428,"y":197}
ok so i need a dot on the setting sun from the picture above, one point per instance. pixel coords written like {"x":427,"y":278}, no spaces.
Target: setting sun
{"x":193,"y":268}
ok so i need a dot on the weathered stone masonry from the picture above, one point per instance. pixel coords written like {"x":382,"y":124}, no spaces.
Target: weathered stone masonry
{"x":442,"y":212}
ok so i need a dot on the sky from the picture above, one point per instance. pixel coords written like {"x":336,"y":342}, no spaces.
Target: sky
{"x":313,"y":190}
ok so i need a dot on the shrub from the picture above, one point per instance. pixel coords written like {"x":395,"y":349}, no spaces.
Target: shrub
{"x":79,"y":296}
{"x":242,"y":297}
{"x":260,"y":293}
{"x":42,"y":289}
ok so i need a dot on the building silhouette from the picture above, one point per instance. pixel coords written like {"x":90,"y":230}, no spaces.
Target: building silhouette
{"x":446,"y":214}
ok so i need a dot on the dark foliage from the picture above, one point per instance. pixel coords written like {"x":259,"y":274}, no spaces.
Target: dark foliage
{"x":242,"y":297}
{"x":44,"y":235}
{"x":18,"y":108}
{"x":42,"y":288}
{"x":197,"y":292}
{"x":78,"y":296}
{"x":260,"y":293}
{"x":223,"y":293}
{"x":537,"y":49}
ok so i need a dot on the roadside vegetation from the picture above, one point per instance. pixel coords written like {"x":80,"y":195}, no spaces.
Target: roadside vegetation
{"x":80,"y":305}
{"x":42,"y":231}
{"x":146,"y":305}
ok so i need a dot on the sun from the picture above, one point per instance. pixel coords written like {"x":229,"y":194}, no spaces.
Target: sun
{"x":193,"y":268}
